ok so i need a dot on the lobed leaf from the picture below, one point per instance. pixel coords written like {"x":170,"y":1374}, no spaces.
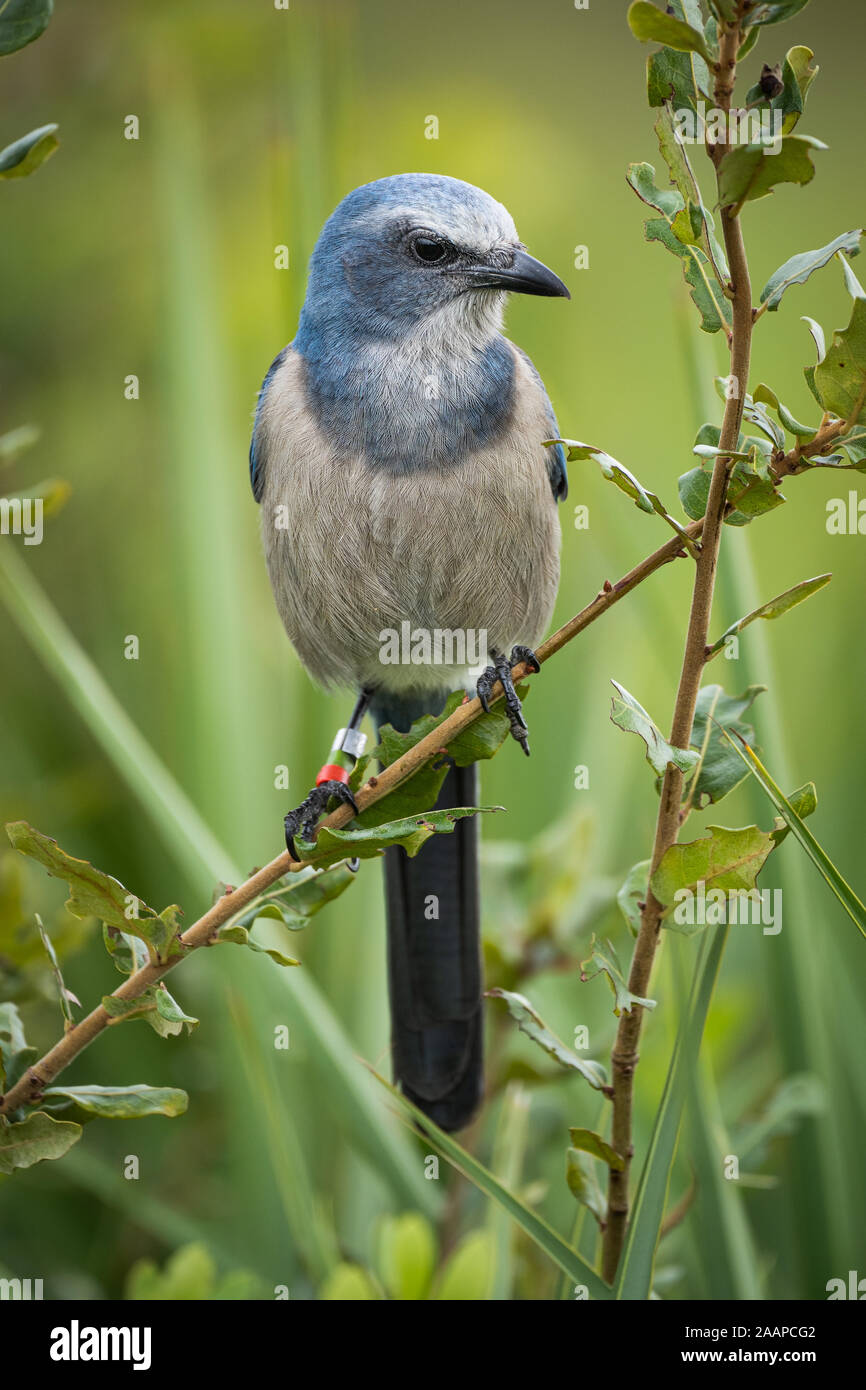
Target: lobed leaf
{"x":583,"y":1184}
{"x":723,"y":858}
{"x":368,"y":842}
{"x":627,"y":714}
{"x":122,"y":1102}
{"x":797,"y":269}
{"x":34,"y":1139}
{"x":651,"y":25}
{"x":718,"y":772}
{"x":750,"y":171}
{"x":589,"y":1142}
{"x":606,"y":964}
{"x":633,"y":894}
{"x":529,"y":1022}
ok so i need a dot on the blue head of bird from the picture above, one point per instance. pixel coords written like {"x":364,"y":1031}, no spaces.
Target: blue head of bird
{"x":400,"y":329}
{"x":413,"y":250}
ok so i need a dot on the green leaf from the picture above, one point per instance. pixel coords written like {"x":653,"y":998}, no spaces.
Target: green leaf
{"x":801,"y":61}
{"x":774,"y":608}
{"x":773,"y":12}
{"x":618,"y":474}
{"x":295,"y":898}
{"x":22,"y":21}
{"x":817,"y":333}
{"x":726,"y":859}
{"x":764,"y":394}
{"x":756,"y":413}
{"x":529,"y":1022}
{"x":407,"y":1256}
{"x":123,"y":1102}
{"x":589,"y":1142}
{"x":714,"y":307}
{"x":237,"y":935}
{"x":855,"y":446}
{"x":612,"y":470}
{"x":840,"y":379}
{"x":36,"y":1138}
{"x":678,"y":77}
{"x":92,"y":893}
{"x":368,"y":842}
{"x":348,"y":1283}
{"x":633,"y":893}
{"x":25,"y":155}
{"x":627,"y":714}
{"x":468,"y":1274}
{"x":822,"y":861}
{"x":804,"y":801}
{"x":156,"y":1007}
{"x":718,"y":770}
{"x":66,"y":997}
{"x":654,"y":26}
{"x":583,"y":1184}
{"x":479,"y":740}
{"x":635,"y":1273}
{"x":606,"y":963}
{"x":96,"y":894}
{"x":748,"y":495}
{"x":797,"y":270}
{"x":692,"y":223}
{"x":169,"y":1019}
{"x":13,"y":1043}
{"x":538,"y":1231}
{"x":694,"y":489}
{"x":750,"y":171}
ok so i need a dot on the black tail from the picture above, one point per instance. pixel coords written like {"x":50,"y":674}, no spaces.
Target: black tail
{"x":434,"y":955}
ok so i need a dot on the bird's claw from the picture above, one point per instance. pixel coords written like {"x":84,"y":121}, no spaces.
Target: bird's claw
{"x":500,"y":671}
{"x":303,"y":819}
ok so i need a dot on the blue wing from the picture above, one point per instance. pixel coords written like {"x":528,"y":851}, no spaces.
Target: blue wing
{"x":257,"y":458}
{"x":555,"y":454}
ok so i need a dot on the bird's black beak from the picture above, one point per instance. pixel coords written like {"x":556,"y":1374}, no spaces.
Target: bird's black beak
{"x":525,"y":275}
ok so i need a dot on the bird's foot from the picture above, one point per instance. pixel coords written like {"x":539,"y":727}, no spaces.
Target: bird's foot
{"x":500,"y":671}
{"x":303,"y":819}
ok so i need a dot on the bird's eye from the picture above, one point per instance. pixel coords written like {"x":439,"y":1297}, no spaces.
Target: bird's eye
{"x":429,"y":250}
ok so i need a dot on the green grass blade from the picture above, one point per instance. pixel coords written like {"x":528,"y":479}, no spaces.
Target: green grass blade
{"x":720,"y":1213}
{"x":634,"y":1278}
{"x":822,"y":861}
{"x":310,"y":1229}
{"x":509,"y":1150}
{"x":175,"y":819}
{"x":544,"y":1236}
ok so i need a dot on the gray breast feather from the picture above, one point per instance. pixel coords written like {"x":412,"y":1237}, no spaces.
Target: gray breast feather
{"x":353,"y":552}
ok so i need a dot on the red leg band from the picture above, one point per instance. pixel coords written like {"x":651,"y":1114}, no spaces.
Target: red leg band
{"x":332,"y":772}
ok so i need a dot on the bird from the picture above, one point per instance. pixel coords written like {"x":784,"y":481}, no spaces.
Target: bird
{"x":398,"y":454}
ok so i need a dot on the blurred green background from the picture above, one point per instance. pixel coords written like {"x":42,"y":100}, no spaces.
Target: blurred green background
{"x":156,"y":257}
